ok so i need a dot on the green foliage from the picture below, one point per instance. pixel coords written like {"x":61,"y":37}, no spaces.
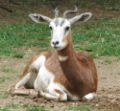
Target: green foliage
{"x":100,"y":37}
{"x":109,"y":4}
{"x":82,"y":107}
{"x":15,"y":37}
{"x":36,"y":108}
{"x":4,"y":109}
{"x":20,"y":107}
{"x":12,"y":107}
{"x":4,"y":79}
{"x":106,"y":4}
{"x":7,"y":69}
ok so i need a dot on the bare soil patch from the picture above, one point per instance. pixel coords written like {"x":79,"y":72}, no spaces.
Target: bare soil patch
{"x":108,"y":88}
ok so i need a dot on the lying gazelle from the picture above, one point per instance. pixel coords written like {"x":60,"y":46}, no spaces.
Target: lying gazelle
{"x":62,"y":74}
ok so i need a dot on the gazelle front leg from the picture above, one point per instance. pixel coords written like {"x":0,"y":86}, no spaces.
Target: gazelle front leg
{"x":26,"y":92}
{"x":19,"y":87}
{"x":23,"y":81}
{"x":30,"y":74}
{"x":55,"y":93}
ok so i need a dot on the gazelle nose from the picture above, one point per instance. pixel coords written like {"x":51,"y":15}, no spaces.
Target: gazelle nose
{"x":55,"y":43}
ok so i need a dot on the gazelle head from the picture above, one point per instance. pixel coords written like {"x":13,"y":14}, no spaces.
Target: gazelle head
{"x":60,"y":26}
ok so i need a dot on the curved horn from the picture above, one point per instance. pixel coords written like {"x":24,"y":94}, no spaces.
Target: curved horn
{"x":70,"y":11}
{"x":56,"y":12}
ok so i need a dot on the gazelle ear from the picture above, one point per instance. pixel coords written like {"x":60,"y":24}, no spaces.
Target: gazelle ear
{"x":39,"y":18}
{"x":82,"y":17}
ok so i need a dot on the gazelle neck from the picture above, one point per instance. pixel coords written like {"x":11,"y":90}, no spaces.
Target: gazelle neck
{"x":68,"y":51}
{"x":71,"y":66}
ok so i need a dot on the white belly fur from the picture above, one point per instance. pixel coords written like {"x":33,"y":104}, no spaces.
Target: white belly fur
{"x":44,"y":78}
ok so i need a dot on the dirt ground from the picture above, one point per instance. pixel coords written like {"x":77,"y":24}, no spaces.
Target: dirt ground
{"x":108,"y":88}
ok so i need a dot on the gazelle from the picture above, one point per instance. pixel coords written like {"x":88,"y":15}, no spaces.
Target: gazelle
{"x":62,"y":74}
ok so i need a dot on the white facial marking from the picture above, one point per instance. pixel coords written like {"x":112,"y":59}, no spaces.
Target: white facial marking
{"x":60,"y":28}
{"x":62,"y":58}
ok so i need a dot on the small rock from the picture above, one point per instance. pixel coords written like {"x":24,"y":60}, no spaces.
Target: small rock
{"x":97,"y":105}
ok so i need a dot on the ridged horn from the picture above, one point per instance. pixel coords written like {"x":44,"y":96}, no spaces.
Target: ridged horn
{"x":56,"y":12}
{"x":70,"y":11}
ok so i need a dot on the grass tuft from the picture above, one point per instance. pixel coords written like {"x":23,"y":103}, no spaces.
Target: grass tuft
{"x":4,"y":109}
{"x":82,"y":107}
{"x":20,"y":107}
{"x":36,"y":108}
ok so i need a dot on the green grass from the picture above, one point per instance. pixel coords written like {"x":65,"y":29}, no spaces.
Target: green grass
{"x":82,"y":107}
{"x":3,"y":95}
{"x":100,"y":37}
{"x":15,"y":37}
{"x":7,"y":69}
{"x":36,"y":109}
{"x":5,"y":109}
{"x":4,"y":79}
{"x":21,"y":107}
{"x":106,"y":4}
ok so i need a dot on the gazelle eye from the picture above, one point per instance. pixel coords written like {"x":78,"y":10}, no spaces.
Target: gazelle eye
{"x":67,"y":28}
{"x":50,"y":27}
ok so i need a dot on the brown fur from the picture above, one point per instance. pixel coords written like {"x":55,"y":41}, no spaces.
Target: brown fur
{"x":79,"y":69}
{"x":27,"y":67}
{"x":33,"y":70}
{"x":77,"y":74}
